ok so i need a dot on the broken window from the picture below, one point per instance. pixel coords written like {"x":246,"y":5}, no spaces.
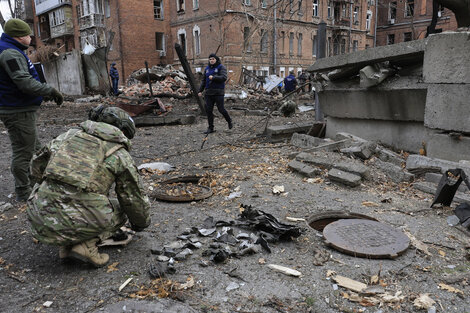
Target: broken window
{"x":283,"y":42}
{"x":409,"y":8}
{"x":407,"y":36}
{"x":329,"y":9}
{"x":343,"y":46}
{"x":368,"y":18}
{"x":264,"y":4}
{"x":160,"y":42}
{"x":195,"y":4}
{"x":246,"y":39}
{"x":315,"y":8}
{"x":392,"y":12}
{"x":158,"y":9}
{"x":299,"y":8}
{"x":291,"y":6}
{"x":264,"y":41}
{"x":344,"y":10}
{"x":299,"y":44}
{"x":291,"y":43}
{"x":355,"y":45}
{"x":440,"y":11}
{"x":180,"y":6}
{"x":107,"y":8}
{"x":356,"y":15}
{"x":390,"y":39}
{"x":56,"y":17}
{"x":247,"y":2}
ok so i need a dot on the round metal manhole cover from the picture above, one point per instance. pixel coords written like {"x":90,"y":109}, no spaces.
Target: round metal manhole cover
{"x":320,"y":220}
{"x":182,"y":189}
{"x":366,"y":238}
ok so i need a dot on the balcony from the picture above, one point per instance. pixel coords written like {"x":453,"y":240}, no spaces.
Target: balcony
{"x":92,"y":20}
{"x":48,"y":5}
{"x":63,"y":29}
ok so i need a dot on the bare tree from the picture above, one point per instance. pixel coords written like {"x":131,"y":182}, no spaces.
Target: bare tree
{"x":15,"y":9}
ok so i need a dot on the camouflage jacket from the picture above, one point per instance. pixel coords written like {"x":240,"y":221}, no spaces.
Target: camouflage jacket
{"x":74,"y":175}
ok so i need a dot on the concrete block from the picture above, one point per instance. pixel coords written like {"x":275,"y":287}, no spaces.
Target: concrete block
{"x":452,"y":148}
{"x":447,"y":107}
{"x":362,"y":151}
{"x":333,"y":146}
{"x":389,"y":156}
{"x":351,"y":166}
{"x":345,"y":178}
{"x":394,"y":172}
{"x":315,"y":160}
{"x":447,"y":58}
{"x":393,"y":104}
{"x":435,"y":178}
{"x":305,"y":141}
{"x":281,"y":132}
{"x":418,"y":164}
{"x":303,"y":168}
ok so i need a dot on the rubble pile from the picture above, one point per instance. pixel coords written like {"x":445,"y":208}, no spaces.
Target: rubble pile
{"x":165,"y":81}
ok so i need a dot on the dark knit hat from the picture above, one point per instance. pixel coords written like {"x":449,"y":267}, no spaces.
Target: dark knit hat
{"x":17,"y":28}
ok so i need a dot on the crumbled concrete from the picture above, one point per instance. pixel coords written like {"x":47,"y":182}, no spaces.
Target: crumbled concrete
{"x":362,"y":151}
{"x":333,"y":146}
{"x":328,"y":162}
{"x":389,"y":156}
{"x":344,"y":178}
{"x":303,"y":168}
{"x":281,"y":132}
{"x":394,"y":172}
{"x":305,"y":141}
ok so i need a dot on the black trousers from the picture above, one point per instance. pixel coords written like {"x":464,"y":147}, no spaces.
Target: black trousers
{"x":219,"y":101}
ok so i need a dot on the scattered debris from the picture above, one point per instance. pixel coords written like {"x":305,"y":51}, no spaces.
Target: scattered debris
{"x":159,"y":166}
{"x":285,"y":270}
{"x":418,"y":244}
{"x":278,"y":189}
{"x":451,"y":289}
{"x":124,"y":284}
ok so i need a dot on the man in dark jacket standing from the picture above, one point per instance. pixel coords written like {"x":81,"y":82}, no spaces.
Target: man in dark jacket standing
{"x":290,"y":83}
{"x":113,"y":72}
{"x":20,"y":96}
{"x":213,"y":82}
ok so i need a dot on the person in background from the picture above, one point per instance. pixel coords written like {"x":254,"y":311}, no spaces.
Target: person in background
{"x":69,"y":206}
{"x":113,"y":72}
{"x":290,"y":83}
{"x":213,"y":83}
{"x":21,"y":94}
{"x":302,"y":80}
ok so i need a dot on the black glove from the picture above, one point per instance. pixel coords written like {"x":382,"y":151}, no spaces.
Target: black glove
{"x":137,"y":228}
{"x":57,"y":96}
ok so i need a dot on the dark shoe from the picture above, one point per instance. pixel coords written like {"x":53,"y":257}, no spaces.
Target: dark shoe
{"x":22,"y":198}
{"x":209,"y":131}
{"x":230,"y":125}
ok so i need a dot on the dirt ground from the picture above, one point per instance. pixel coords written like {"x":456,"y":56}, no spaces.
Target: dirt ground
{"x":31,"y":274}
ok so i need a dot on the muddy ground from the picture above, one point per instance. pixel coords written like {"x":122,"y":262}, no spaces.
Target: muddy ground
{"x":31,"y":274}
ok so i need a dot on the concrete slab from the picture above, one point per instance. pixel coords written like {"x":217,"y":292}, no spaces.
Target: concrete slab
{"x":431,"y":189}
{"x":452,"y":148}
{"x":411,"y":50}
{"x":435,"y":178}
{"x":421,"y":164}
{"x":447,"y":107}
{"x":399,"y":135}
{"x":351,"y":166}
{"x":304,"y":169}
{"x":454,"y":67}
{"x":345,"y":178}
{"x":389,"y":156}
{"x":281,"y":132}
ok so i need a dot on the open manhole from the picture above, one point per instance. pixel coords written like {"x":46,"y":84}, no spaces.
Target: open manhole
{"x":366,"y":238}
{"x":182,"y":189}
{"x":320,"y":220}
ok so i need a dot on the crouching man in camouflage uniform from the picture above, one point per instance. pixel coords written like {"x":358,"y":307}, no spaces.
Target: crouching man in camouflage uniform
{"x":69,"y":205}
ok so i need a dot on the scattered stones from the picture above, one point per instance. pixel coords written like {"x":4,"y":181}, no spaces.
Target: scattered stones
{"x":345,"y":178}
{"x":304,"y":169}
{"x":394,"y":172}
{"x":5,"y":206}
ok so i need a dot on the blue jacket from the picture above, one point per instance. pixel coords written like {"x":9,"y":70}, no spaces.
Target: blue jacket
{"x":216,"y":86}
{"x":113,"y":72}
{"x":290,"y":83}
{"x":10,"y":95}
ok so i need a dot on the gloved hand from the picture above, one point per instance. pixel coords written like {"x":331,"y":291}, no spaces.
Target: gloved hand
{"x":57,"y":96}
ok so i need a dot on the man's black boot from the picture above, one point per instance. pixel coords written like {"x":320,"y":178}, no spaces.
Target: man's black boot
{"x":209,"y":131}
{"x":230,"y":125}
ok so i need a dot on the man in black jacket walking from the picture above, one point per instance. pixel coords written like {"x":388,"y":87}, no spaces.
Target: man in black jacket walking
{"x":213,"y":83}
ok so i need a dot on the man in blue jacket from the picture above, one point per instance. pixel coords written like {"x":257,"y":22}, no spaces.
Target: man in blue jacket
{"x":213,"y":82}
{"x":21,"y":95}
{"x":113,"y":72}
{"x":290,"y":83}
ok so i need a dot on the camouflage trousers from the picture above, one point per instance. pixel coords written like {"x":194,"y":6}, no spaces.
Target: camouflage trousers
{"x":24,"y":143}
